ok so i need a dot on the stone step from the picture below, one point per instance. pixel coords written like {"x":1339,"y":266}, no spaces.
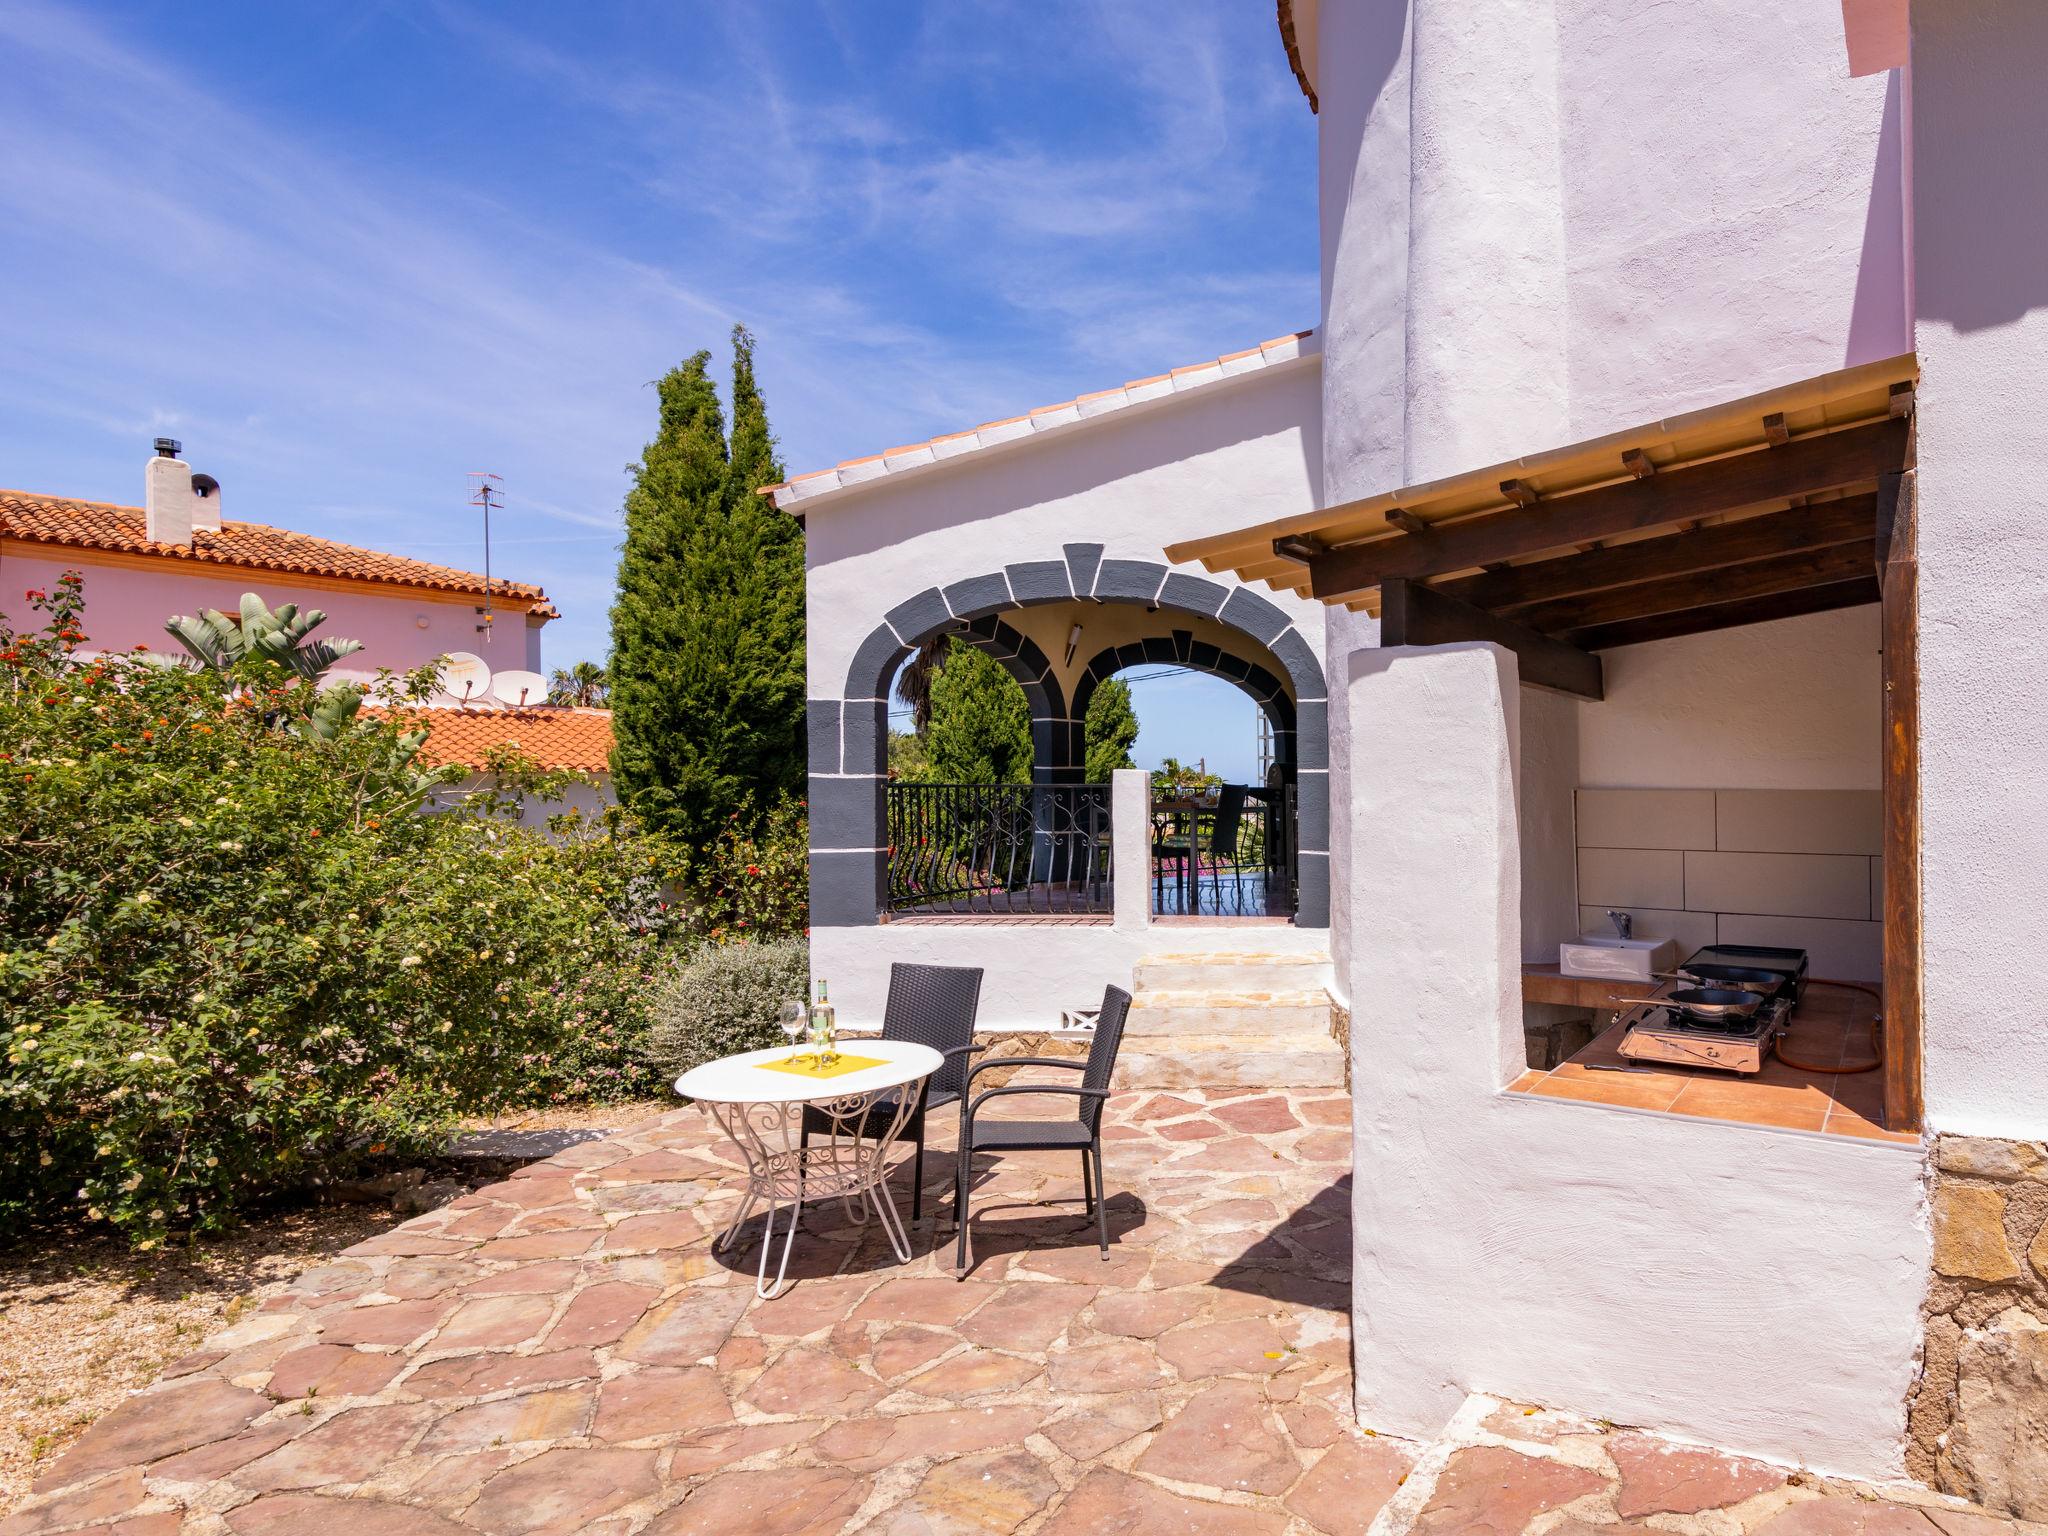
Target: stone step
{"x":1230,"y":1061}
{"x":1281,"y":1015}
{"x":1230,"y":971}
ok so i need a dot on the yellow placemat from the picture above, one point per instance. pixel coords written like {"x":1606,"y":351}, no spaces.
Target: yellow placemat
{"x":806,"y":1065}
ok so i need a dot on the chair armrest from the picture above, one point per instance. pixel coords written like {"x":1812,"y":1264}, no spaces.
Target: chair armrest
{"x":1026,"y":1061}
{"x":960,"y":1050}
{"x":967,"y":1115}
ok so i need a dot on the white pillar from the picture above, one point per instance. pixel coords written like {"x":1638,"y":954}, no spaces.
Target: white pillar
{"x":1130,"y":811}
{"x":1435,"y":984}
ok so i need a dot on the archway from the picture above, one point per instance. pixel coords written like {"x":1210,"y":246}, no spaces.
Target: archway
{"x":849,"y":734}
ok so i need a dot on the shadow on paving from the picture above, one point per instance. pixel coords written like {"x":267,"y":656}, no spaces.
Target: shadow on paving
{"x":830,"y":1242}
{"x":1305,"y":1259}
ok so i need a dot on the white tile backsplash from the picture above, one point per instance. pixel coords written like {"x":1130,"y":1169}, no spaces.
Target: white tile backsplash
{"x":1739,"y":866}
{"x":1631,"y":877}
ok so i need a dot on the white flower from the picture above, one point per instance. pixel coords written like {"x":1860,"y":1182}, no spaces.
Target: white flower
{"x":187,"y":821}
{"x":28,"y":1045}
{"x":409,"y":962}
{"x":213,"y":1162}
{"x":135,"y":1055}
{"x":131,"y":1184}
{"x":143,"y":898}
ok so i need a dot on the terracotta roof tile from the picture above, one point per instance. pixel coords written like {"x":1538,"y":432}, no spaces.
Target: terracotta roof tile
{"x":576,"y":739}
{"x":1292,"y":43}
{"x":1055,"y":417}
{"x":65,"y":522}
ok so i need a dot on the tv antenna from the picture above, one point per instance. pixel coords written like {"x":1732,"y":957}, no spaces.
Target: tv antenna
{"x":484,"y":492}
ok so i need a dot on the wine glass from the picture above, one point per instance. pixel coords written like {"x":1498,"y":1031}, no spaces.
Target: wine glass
{"x":794,"y":1019}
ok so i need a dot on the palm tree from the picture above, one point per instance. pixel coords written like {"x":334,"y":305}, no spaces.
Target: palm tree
{"x":915,"y":681}
{"x":584,"y":684}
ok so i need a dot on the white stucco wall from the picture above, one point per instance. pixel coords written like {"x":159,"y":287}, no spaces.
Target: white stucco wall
{"x":1789,"y":705}
{"x":1980,"y":118}
{"x":1731,"y":219}
{"x":590,"y":797}
{"x":1733,"y":205}
{"x":1752,"y":1288}
{"x":1240,"y":451}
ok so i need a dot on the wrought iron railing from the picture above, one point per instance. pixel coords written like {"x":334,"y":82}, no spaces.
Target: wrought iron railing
{"x":999,"y":848}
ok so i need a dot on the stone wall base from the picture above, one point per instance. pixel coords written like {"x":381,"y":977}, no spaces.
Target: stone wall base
{"x":1977,"y":1424}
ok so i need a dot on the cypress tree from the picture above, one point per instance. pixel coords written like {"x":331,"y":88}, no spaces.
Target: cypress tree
{"x":981,"y":723}
{"x":707,"y":630}
{"x":1108,"y":731}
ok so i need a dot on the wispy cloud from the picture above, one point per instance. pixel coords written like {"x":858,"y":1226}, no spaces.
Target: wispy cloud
{"x":345,"y":298}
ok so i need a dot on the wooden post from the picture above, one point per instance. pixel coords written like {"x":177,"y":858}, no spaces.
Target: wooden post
{"x":1899,"y":578}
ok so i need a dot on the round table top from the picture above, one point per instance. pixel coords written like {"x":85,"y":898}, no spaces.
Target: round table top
{"x":741,"y":1079}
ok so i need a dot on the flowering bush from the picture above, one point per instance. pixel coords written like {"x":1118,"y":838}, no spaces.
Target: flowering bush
{"x":755,"y":886}
{"x":231,"y":952}
{"x":727,"y":999}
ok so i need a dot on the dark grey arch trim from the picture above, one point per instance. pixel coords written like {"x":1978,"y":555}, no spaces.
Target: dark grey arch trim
{"x":1183,"y":650}
{"x":849,"y":734}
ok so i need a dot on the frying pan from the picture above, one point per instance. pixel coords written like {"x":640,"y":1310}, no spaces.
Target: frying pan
{"x":1703,"y":1002}
{"x":1738,"y":978}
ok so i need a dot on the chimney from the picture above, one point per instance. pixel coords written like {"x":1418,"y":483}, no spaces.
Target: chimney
{"x":177,"y":502}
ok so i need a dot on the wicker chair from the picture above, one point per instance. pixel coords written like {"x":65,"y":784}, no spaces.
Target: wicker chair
{"x":932,"y":1005}
{"x":1082,"y":1133}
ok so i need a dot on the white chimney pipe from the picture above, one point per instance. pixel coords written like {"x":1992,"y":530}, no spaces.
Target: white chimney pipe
{"x":175,"y":501}
{"x":167,"y":496}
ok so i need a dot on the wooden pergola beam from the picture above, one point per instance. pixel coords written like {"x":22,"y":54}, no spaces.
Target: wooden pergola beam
{"x":1728,"y":584}
{"x":1412,"y":614}
{"x":1713,"y":616}
{"x":1621,"y":565}
{"x":1803,"y":467}
{"x":1899,"y":576}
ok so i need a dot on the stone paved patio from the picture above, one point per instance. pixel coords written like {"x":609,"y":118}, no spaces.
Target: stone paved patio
{"x":562,"y":1352}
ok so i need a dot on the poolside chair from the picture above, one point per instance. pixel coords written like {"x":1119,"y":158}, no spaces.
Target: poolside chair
{"x":1081,"y":1133}
{"x":932,"y":1005}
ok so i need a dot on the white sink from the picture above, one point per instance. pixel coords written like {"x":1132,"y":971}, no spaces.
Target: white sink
{"x":1602,"y":957}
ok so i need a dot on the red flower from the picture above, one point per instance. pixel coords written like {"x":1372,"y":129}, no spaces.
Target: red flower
{"x":312,"y":832}
{"x":753,"y":869}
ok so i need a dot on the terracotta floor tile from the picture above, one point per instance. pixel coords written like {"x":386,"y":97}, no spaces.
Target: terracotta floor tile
{"x":1628,"y":1090}
{"x":1746,"y":1103}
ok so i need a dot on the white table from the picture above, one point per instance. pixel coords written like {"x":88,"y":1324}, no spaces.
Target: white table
{"x":762,"y":1112}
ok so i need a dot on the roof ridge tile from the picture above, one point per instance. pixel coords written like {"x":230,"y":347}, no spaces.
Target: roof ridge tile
{"x":1081,"y":408}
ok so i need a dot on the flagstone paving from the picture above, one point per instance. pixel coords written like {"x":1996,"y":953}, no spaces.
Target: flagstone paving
{"x":562,"y":1352}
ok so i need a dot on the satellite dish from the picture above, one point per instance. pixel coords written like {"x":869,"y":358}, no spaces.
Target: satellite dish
{"x":465,"y":675}
{"x":520,"y":689}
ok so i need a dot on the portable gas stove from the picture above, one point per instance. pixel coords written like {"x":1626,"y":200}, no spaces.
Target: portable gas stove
{"x":1723,"y":1009}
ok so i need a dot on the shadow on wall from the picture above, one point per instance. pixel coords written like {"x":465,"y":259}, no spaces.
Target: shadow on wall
{"x":1880,"y":315}
{"x":1979,"y":119}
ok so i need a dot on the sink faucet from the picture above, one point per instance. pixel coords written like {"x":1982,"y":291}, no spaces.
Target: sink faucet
{"x":1624,"y":923}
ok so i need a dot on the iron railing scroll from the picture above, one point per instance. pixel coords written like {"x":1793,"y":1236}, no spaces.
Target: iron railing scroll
{"x":1000,"y":849}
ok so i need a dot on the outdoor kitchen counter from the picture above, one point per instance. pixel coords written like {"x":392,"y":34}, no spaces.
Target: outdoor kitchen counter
{"x":1548,"y":984}
{"x":1831,"y":1025}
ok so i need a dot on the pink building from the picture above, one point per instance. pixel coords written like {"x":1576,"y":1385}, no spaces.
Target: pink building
{"x":176,"y":554}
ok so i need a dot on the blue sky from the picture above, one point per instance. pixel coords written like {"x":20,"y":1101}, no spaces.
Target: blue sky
{"x":347,"y":253}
